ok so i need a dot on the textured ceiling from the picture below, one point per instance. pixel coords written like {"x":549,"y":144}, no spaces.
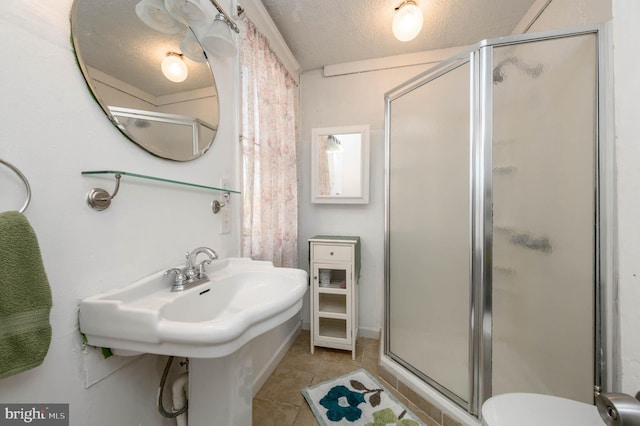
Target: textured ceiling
{"x":318,"y":32}
{"x":326,"y":32}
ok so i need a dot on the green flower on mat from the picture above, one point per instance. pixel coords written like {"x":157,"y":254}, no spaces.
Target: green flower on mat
{"x":387,"y":417}
{"x":335,"y":411}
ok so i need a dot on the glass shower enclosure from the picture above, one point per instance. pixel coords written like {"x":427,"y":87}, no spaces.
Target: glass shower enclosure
{"x":496,"y":232}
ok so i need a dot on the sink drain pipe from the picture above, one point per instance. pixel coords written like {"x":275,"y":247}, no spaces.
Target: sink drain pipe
{"x":179,"y":396}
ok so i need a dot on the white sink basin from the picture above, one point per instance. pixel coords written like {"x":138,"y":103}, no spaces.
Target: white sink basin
{"x":529,"y":409}
{"x":243,"y":299}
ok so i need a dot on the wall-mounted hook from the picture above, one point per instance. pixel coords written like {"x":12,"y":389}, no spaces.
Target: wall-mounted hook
{"x":217,"y":205}
{"x":100,"y":199}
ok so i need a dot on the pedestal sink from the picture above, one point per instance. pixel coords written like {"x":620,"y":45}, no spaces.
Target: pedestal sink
{"x":209,"y":323}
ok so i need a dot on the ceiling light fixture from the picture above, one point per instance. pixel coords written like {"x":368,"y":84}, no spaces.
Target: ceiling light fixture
{"x":407,"y":21}
{"x":191,"y":47}
{"x":210,"y":24}
{"x":155,"y":15}
{"x":189,"y":12}
{"x":174,"y":68}
{"x":218,"y":39}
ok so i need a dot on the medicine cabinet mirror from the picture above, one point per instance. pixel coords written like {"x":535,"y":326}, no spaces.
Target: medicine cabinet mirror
{"x":340,"y":165}
{"x":120,"y":58}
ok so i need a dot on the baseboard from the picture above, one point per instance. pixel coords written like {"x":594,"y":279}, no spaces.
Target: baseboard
{"x":369,"y":333}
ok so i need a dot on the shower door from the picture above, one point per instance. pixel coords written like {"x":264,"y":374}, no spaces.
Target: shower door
{"x":544,"y":217}
{"x":493,"y":226}
{"x":429,"y":203}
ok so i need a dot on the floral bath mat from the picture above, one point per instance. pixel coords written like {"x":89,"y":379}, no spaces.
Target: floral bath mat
{"x":357,"y":399}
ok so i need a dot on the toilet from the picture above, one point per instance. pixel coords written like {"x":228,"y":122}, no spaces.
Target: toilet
{"x":530,"y":409}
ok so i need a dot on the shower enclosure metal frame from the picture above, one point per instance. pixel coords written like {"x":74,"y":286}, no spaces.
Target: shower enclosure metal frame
{"x":480,"y":59}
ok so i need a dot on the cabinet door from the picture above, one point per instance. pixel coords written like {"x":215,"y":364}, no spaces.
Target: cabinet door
{"x":332,"y":284}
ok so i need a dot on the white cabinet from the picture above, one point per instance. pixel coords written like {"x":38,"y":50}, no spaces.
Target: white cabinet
{"x":334,"y":269}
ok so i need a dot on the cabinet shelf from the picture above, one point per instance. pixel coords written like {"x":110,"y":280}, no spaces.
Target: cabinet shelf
{"x":333,"y":286}
{"x":333,"y":328}
{"x":332,"y":303}
{"x":330,"y":315}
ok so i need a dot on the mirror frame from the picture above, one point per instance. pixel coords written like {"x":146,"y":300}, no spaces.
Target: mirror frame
{"x":316,"y":133}
{"x":94,"y":77}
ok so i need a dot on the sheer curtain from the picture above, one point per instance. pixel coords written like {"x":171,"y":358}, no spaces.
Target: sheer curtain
{"x":268,"y":135}
{"x":324,"y":182}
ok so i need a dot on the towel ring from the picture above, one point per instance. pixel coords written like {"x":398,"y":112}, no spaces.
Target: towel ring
{"x":24,"y":179}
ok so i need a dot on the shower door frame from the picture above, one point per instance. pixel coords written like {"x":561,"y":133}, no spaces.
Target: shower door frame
{"x":480,"y":58}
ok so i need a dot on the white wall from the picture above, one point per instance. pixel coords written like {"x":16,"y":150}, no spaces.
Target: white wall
{"x":626,"y":14}
{"x":52,"y":130}
{"x":571,"y":13}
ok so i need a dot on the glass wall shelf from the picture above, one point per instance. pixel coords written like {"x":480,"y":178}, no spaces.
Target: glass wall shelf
{"x":159,"y":179}
{"x":100,"y":199}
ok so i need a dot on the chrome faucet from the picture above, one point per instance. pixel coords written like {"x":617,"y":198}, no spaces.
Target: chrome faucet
{"x":191,"y":269}
{"x":192,"y":274}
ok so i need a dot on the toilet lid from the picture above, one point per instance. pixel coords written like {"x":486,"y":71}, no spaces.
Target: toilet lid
{"x":529,"y":409}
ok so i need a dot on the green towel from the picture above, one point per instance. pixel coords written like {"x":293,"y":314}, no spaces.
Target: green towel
{"x":25,"y":297}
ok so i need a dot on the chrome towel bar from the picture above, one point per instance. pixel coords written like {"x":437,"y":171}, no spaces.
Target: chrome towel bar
{"x":24,"y":179}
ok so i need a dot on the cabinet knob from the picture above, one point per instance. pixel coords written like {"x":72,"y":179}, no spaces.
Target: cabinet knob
{"x":331,"y":253}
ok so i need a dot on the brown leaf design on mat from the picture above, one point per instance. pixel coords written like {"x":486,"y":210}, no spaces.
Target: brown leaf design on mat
{"x":357,"y":385}
{"x":374,"y":400}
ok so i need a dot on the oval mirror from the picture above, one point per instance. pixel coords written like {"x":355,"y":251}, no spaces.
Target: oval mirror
{"x":121,"y":59}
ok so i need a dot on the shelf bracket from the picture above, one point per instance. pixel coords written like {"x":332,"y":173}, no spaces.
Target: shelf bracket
{"x":216,"y":205}
{"x":100,"y":199}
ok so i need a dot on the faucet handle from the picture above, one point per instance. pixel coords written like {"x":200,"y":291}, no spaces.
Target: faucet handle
{"x":201,"y":272}
{"x":180,"y":277}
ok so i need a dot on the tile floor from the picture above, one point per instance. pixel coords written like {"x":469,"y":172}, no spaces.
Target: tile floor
{"x":280,"y":402}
